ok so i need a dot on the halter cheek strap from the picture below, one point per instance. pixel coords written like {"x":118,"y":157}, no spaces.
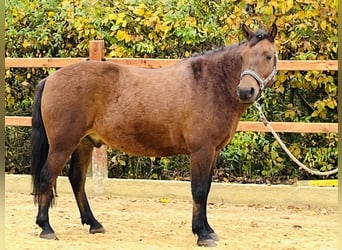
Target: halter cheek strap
{"x":255,"y":75}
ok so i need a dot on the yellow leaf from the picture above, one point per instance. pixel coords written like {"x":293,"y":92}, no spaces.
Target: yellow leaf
{"x":267,"y":10}
{"x":301,"y":14}
{"x":331,"y":103}
{"x":117,"y":51}
{"x":121,"y":21}
{"x":280,"y":89}
{"x":120,"y":35}
{"x":25,"y":83}
{"x":290,"y":114}
{"x":111,"y":16}
{"x":164,"y":200}
{"x":139,"y":11}
{"x":122,"y":15}
{"x":191,"y":21}
{"x":279,"y":159}
{"x":289,"y":5}
{"x":295,"y":149}
{"x":281,"y":76}
{"x":122,"y":163}
{"x":26,"y":44}
{"x":123,"y":35}
{"x":323,"y":24}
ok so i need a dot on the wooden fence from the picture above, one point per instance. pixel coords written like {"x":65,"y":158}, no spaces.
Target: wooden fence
{"x":97,"y":51}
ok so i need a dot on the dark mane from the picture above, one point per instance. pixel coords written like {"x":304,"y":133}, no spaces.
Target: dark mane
{"x":259,"y":35}
{"x":213,"y":51}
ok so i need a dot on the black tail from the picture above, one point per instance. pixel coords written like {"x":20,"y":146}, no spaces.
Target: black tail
{"x":39,"y":142}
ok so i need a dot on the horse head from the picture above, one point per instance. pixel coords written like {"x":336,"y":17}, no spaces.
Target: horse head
{"x":259,"y":63}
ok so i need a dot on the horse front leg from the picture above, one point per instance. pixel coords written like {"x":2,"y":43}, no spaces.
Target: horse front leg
{"x":211,"y":232}
{"x":79,"y":163}
{"x":201,"y":164}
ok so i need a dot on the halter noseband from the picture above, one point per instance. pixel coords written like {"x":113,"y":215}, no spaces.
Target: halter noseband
{"x":255,"y":75}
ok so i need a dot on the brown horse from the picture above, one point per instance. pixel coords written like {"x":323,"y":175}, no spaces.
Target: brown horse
{"x":192,"y":107}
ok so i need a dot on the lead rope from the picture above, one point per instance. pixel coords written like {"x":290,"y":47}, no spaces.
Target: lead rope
{"x":301,"y":165}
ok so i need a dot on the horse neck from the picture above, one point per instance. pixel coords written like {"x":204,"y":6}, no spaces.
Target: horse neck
{"x":228,"y":66}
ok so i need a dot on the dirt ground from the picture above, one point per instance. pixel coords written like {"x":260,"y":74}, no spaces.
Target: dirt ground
{"x":136,"y":223}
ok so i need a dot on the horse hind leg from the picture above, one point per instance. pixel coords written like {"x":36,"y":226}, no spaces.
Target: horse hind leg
{"x":45,"y":200}
{"x":80,"y":160}
{"x":44,"y":189}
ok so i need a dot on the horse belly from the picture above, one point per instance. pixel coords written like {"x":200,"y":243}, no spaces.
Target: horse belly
{"x":146,"y":144}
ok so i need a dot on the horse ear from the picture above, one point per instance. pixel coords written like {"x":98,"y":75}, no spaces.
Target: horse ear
{"x":248,"y":34}
{"x":272,"y":33}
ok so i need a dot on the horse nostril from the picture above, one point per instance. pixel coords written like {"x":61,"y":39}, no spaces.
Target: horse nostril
{"x":252,"y":91}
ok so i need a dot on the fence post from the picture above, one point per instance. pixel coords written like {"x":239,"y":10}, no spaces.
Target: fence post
{"x":99,"y":159}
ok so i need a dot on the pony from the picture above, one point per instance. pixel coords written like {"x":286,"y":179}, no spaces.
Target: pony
{"x":191,"y":107}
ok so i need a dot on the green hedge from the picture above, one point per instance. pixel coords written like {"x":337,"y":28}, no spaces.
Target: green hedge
{"x":176,"y":29}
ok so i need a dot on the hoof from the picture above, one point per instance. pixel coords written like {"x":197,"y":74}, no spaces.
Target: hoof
{"x":48,"y":236}
{"x":206,"y":243}
{"x":97,"y":230}
{"x":214,"y":236}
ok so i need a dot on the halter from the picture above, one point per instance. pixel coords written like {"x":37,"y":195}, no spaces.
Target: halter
{"x":255,"y":75}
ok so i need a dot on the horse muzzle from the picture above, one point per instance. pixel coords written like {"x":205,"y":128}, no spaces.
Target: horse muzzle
{"x":248,"y":92}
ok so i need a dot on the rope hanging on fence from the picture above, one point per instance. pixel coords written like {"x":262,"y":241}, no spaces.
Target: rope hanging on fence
{"x":301,"y":165}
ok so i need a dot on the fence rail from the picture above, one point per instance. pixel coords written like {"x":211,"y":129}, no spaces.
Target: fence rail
{"x":286,"y":127}
{"x":287,"y":65}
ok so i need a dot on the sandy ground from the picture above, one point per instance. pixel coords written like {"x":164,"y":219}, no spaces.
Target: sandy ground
{"x":136,"y":223}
